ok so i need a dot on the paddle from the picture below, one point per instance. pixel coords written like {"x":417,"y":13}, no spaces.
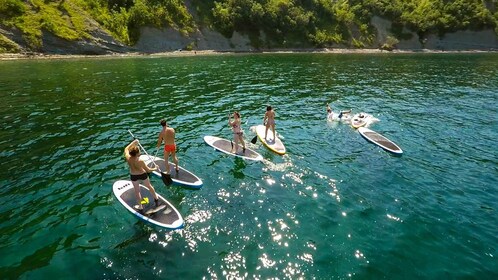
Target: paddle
{"x":231,"y":143}
{"x":164,"y":176}
{"x":253,"y":140}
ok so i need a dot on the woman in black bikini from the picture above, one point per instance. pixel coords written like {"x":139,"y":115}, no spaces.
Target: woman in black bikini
{"x":237,"y":131}
{"x":138,"y":172}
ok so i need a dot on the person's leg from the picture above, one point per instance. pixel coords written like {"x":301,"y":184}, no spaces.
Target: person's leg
{"x":236,"y":142}
{"x":266,"y":130}
{"x":138,"y":195}
{"x":274,"y":132}
{"x":151,"y":190}
{"x":166,"y":162}
{"x":241,"y":139}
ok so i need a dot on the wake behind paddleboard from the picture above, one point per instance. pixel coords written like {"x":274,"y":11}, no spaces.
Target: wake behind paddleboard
{"x":183,"y":177}
{"x":167,"y":217}
{"x":379,"y":140}
{"x":225,"y":146}
{"x":275,"y":145}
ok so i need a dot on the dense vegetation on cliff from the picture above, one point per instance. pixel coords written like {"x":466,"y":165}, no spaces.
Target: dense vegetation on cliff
{"x":269,"y":23}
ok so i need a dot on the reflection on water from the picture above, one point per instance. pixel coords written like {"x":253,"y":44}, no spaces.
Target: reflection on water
{"x":334,"y":206}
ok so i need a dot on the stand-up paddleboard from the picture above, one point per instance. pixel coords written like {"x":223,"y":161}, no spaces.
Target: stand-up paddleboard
{"x":275,"y":145}
{"x":225,"y":146}
{"x":182,"y":177}
{"x":359,"y":120}
{"x":166,"y":217}
{"x":379,"y":140}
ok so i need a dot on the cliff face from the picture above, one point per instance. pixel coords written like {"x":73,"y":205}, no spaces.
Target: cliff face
{"x":123,"y":26}
{"x":154,"y":40}
{"x":461,"y":40}
{"x":163,"y":40}
{"x":99,"y":42}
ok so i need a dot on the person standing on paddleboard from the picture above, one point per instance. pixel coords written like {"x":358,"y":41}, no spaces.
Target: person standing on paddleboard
{"x":138,"y":172}
{"x":167,"y":135}
{"x":269,"y":121}
{"x":237,"y":131}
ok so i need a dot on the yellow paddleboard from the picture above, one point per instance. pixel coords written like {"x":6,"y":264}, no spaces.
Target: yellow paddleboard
{"x":275,"y":145}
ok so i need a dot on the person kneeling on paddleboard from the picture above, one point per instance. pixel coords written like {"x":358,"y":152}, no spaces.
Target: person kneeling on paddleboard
{"x":237,"y":131}
{"x":138,"y":172}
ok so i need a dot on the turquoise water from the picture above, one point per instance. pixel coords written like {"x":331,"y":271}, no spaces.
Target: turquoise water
{"x":334,"y":207}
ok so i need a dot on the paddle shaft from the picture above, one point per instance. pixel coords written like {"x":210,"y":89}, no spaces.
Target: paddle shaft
{"x":231,"y":143}
{"x":151,"y":159}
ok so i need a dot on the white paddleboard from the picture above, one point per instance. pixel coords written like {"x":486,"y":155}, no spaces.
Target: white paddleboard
{"x":167,"y":217}
{"x":275,"y":145}
{"x":225,"y":146}
{"x":183,"y":177}
{"x":359,"y":120}
{"x":380,"y":140}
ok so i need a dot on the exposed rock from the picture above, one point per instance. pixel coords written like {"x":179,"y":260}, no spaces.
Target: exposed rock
{"x":461,"y":40}
{"x":464,"y":40}
{"x":14,"y":35}
{"x":100,"y":43}
{"x":162,"y":40}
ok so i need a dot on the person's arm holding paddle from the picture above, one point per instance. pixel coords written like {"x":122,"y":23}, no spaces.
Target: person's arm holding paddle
{"x":146,"y":167}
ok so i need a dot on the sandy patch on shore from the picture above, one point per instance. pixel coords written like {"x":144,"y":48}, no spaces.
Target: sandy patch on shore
{"x":215,"y":52}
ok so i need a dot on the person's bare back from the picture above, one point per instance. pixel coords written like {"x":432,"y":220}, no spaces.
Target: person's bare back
{"x":168,"y":136}
{"x":137,"y":166}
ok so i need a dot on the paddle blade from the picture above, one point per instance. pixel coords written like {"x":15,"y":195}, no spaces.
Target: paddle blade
{"x":253,"y":140}
{"x":166,"y":179}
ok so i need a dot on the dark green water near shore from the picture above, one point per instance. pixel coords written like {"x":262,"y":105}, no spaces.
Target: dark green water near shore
{"x":334,"y":207}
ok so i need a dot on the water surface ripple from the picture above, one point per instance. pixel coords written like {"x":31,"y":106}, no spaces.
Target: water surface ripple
{"x":334,"y":207}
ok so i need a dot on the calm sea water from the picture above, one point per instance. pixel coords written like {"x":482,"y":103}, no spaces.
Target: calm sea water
{"x":334,"y":207}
